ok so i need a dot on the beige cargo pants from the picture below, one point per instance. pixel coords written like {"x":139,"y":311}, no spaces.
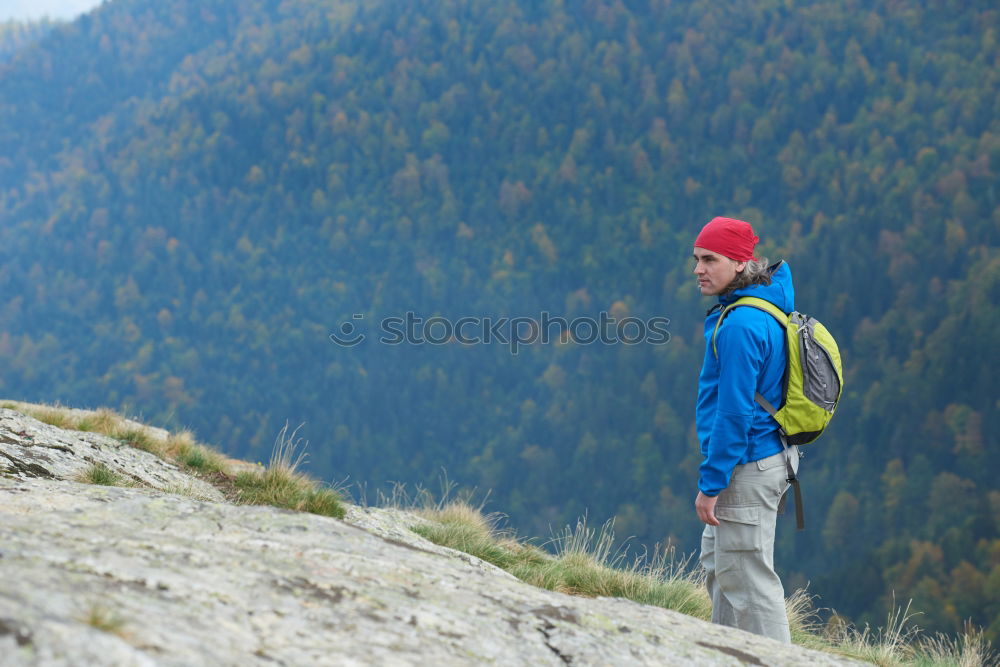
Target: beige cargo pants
{"x":738,"y":554}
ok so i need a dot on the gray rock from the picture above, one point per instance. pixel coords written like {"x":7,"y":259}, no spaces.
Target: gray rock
{"x":190,"y":582}
{"x":396,"y":525}
{"x":32,"y":449}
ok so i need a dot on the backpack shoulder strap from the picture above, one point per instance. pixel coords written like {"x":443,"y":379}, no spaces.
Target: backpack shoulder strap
{"x":753,"y":302}
{"x":766,"y":306}
{"x":783,"y":319}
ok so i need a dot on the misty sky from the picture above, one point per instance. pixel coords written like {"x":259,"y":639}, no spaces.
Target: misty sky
{"x":36,"y":9}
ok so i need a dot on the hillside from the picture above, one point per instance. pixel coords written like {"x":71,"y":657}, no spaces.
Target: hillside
{"x":195,"y":194}
{"x":15,"y":35}
{"x":165,"y":573}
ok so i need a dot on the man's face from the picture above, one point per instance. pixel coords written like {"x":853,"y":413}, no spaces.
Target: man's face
{"x":714,"y":271}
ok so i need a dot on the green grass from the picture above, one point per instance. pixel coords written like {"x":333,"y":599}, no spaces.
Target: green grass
{"x":463,"y":528}
{"x":182,"y":448}
{"x":138,"y":438}
{"x":280,"y":488}
{"x":585,"y":563}
{"x":204,"y":460}
{"x":281,"y":485}
{"x":100,"y":474}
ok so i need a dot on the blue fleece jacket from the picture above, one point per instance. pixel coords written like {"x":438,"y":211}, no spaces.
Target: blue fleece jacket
{"x":732,"y":427}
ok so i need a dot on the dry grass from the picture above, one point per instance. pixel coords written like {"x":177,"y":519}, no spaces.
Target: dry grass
{"x":138,"y":438}
{"x":586,"y":563}
{"x":971,"y":649}
{"x":54,"y":416}
{"x":182,"y":447}
{"x":102,"y":420}
{"x":465,"y":528}
{"x":900,"y":644}
{"x":886,"y":646}
{"x":104,"y":619}
{"x":280,"y":484}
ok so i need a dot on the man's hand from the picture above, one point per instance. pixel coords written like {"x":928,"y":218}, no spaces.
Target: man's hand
{"x":705,"y":506}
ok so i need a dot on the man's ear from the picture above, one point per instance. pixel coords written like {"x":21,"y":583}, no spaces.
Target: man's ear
{"x":740,"y":266}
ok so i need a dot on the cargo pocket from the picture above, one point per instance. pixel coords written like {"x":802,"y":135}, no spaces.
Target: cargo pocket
{"x":771,"y":462}
{"x":740,"y":529}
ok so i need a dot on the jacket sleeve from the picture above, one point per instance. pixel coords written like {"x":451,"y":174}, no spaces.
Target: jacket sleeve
{"x":741,"y":348}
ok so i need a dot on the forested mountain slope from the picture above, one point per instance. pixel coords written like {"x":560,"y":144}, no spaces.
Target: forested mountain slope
{"x":15,"y":35}
{"x":195,"y":194}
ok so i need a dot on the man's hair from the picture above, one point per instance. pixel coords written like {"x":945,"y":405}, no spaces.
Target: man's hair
{"x":756,"y":272}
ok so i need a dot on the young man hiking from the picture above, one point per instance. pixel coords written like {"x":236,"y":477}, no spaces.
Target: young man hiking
{"x":743,"y":475}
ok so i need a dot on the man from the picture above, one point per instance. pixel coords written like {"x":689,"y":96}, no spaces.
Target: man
{"x":743,"y":475}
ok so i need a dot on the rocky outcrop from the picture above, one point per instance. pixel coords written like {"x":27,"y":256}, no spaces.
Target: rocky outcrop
{"x":95,"y":575}
{"x":30,"y":449}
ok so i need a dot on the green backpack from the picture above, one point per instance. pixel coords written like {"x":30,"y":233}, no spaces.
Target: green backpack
{"x":814,"y":380}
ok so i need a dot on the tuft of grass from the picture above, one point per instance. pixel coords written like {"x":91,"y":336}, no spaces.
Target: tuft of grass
{"x":100,"y":474}
{"x":886,"y":646}
{"x":178,"y":444}
{"x":186,"y":490}
{"x":282,"y":485}
{"x":287,"y":490}
{"x":104,"y":619}
{"x":181,"y":447}
{"x":465,"y":528}
{"x":289,"y":452}
{"x":102,"y":420}
{"x":53,"y":416}
{"x":138,"y":438}
{"x":204,"y":460}
{"x":584,"y":564}
{"x":897,"y":644}
{"x":804,"y":621}
{"x":972,"y":649}
{"x":587,"y":564}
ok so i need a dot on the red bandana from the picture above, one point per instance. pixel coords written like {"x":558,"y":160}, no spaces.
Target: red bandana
{"x":729,"y":237}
